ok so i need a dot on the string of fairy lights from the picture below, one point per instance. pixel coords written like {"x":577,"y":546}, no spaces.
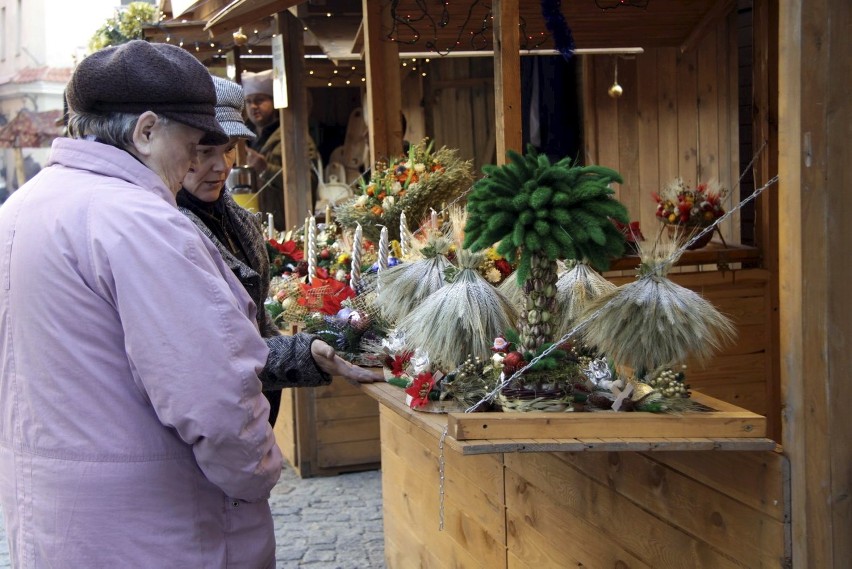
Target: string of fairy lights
{"x":411,"y":23}
{"x":409,"y":26}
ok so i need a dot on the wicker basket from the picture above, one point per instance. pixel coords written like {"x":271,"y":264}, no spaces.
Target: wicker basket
{"x":520,"y":400}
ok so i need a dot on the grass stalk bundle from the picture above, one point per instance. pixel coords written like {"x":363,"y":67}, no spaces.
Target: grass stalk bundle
{"x":512,"y":291}
{"x":459,"y":320}
{"x":575,"y":289}
{"x":653,"y":321}
{"x":407,"y":285}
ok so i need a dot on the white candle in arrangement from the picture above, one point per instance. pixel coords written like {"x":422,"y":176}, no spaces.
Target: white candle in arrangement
{"x":355,"y":272}
{"x":270,"y":226}
{"x":328,"y":214}
{"x":383,"y":250}
{"x":312,"y":248}
{"x":403,"y":235}
{"x":434,"y":220}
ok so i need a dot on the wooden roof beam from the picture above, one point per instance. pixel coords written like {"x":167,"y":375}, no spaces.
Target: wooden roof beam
{"x":241,"y":12}
{"x":718,"y":10}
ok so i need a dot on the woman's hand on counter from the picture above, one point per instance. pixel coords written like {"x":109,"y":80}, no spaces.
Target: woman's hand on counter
{"x":329,"y":362}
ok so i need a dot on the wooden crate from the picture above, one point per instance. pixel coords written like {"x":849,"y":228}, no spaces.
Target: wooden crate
{"x":723,"y":420}
{"x":328,"y":430}
{"x":595,"y":508}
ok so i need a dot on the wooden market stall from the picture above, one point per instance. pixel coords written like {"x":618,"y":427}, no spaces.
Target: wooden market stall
{"x":696,"y":104}
{"x":625,"y":506}
{"x":328,"y":430}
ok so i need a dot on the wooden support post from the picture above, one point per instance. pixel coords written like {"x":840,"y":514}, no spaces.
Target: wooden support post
{"x":384,"y":97}
{"x":765,"y":117}
{"x":294,"y":124}
{"x":233,"y":60}
{"x":507,"y":78}
{"x":815,"y":111}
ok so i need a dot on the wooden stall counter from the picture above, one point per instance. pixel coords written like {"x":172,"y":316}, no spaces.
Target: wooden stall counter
{"x":328,"y":430}
{"x":576,"y":502}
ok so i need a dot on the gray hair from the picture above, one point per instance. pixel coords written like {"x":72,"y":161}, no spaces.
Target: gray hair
{"x":115,"y":129}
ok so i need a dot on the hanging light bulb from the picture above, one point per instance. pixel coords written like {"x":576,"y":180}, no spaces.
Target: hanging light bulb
{"x":615,"y":90}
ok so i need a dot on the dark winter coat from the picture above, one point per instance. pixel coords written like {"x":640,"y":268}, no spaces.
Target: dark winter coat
{"x":290,"y":363}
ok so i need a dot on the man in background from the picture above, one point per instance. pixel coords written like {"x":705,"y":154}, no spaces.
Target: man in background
{"x":264,"y":152}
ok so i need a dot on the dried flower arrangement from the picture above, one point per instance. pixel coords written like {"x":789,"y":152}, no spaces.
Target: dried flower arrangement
{"x":679,"y":204}
{"x":410,"y":184}
{"x":652,"y":321}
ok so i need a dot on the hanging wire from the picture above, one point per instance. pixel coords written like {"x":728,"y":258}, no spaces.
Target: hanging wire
{"x":403,"y":29}
{"x":613,"y":4}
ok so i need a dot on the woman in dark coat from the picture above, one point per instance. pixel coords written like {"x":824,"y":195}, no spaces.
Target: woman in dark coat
{"x":301,"y":360}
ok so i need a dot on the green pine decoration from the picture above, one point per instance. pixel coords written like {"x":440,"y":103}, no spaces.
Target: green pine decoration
{"x":540,"y":211}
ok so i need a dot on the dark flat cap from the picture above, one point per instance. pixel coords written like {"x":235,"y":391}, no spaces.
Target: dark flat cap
{"x":229,"y":108}
{"x":139,"y":76}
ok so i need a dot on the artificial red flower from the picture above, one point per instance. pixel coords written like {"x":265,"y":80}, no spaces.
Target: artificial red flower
{"x":288,"y":248}
{"x":324,"y":295}
{"x":322,"y":273}
{"x":631,"y":231}
{"x":398,"y":362}
{"x":420,"y":389}
{"x":503,"y":266}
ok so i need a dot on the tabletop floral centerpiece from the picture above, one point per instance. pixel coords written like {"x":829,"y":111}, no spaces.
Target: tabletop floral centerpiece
{"x":687,"y":210}
{"x":540,"y":210}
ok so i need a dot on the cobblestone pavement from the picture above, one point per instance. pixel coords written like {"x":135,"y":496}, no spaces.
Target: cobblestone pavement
{"x":332,"y":522}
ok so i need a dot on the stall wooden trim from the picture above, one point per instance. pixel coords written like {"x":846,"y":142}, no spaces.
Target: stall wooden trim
{"x":551,"y":508}
{"x":328,"y":430}
{"x":642,"y":423}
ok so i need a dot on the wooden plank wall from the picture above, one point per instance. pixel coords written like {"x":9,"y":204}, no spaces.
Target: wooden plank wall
{"x":815,"y":206}
{"x":474,"y":532}
{"x":347,"y":428}
{"x":677,"y":118}
{"x":591,"y":509}
{"x":285,"y":428}
{"x":660,"y":510}
{"x":459,"y":102}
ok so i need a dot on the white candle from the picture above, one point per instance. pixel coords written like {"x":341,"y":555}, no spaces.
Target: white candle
{"x":312,"y":249}
{"x":328,"y":214}
{"x":403,"y":235}
{"x":355,"y":272}
{"x":434,"y":219}
{"x":270,"y":226}
{"x":383,"y":250}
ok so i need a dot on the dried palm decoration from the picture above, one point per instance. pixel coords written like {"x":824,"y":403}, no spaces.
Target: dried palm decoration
{"x":653,"y":322}
{"x":539,"y":211}
{"x":461,"y":319}
{"x":407,"y":285}
{"x":575,"y":289}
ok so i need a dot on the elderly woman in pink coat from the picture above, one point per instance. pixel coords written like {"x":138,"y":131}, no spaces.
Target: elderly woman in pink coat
{"x":133,"y":432}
